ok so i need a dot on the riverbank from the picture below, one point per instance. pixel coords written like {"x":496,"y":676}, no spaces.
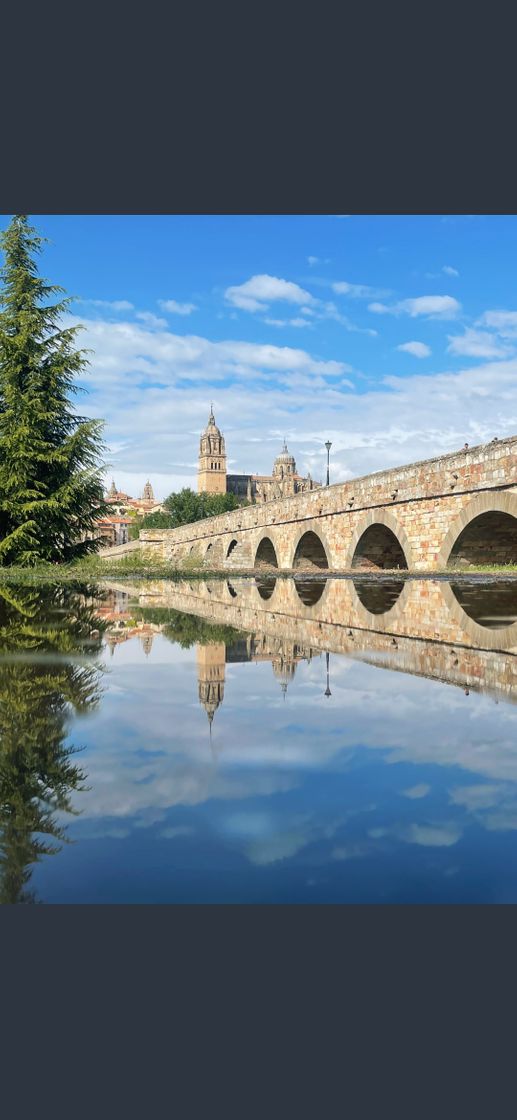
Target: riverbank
{"x":139,"y":567}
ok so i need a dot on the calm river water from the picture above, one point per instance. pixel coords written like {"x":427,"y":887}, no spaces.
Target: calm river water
{"x":259,"y":741}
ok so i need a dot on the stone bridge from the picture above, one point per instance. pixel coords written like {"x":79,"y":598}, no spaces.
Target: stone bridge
{"x":457,"y":508}
{"x":447,"y":632}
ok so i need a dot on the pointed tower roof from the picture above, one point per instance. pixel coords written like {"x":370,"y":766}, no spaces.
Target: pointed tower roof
{"x":211,"y":428}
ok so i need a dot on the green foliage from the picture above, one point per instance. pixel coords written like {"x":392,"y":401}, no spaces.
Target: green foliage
{"x":51,"y":490}
{"x":187,"y":506}
{"x":47,"y":637}
{"x":187,"y":629}
{"x":133,"y":530}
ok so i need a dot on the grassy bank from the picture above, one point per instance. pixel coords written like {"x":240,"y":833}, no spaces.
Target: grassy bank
{"x":147,"y":566}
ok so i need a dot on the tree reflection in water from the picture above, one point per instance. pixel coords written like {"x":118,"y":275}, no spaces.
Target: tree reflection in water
{"x":378,"y":597}
{"x":43,"y":631}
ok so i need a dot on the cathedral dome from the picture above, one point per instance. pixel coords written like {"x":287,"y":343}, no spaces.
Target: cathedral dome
{"x":285,"y":462}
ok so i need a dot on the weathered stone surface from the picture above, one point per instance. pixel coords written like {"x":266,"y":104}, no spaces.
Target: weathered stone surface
{"x":425,"y":631}
{"x":426,"y":506}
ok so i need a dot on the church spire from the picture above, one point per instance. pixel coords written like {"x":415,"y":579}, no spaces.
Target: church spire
{"x":212,"y":458}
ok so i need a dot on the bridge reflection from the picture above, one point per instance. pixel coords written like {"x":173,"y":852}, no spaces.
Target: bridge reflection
{"x":464,"y":634}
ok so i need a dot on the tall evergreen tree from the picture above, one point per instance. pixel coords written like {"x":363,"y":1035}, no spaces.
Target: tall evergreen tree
{"x":51,"y":490}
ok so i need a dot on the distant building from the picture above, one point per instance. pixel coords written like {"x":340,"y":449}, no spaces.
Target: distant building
{"x":214,"y":479}
{"x":113,"y":530}
{"x":122,"y":502}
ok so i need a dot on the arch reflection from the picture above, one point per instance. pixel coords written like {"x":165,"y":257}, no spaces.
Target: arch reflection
{"x":265,"y":586}
{"x":310,"y":591}
{"x":378,"y":598}
{"x":492,"y":606}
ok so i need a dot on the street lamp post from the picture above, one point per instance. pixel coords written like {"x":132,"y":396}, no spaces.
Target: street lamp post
{"x":328,"y":445}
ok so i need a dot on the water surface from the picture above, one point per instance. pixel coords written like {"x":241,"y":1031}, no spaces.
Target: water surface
{"x":259,"y":741}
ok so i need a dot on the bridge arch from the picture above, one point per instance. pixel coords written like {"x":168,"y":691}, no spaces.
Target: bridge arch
{"x":380,"y":541}
{"x":484,"y":532}
{"x":265,"y":553}
{"x":310,"y":548}
{"x":214,"y":552}
{"x":233,"y":545}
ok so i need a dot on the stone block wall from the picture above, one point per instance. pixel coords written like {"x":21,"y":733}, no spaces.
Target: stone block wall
{"x":425,"y":505}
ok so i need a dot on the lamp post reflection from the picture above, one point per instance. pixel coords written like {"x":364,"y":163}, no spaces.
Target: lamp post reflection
{"x":327,"y":690}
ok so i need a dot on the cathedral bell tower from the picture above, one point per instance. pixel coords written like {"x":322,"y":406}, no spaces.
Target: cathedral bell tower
{"x":211,"y":477}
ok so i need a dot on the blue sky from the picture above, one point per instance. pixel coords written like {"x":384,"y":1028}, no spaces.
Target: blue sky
{"x":395,"y":337}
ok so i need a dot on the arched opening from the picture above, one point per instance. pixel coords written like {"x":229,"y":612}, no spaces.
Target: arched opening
{"x":378,"y":598}
{"x":266,"y":555}
{"x":490,"y":538}
{"x":265,"y":586}
{"x":209,"y":552}
{"x":493,"y":606}
{"x":310,"y":590}
{"x":310,"y":552}
{"x":231,"y":548}
{"x":231,"y":589}
{"x":377,"y":549}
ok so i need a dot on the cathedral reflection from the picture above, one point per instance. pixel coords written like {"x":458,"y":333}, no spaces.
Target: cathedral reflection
{"x":212,"y":660}
{"x":462,"y":633}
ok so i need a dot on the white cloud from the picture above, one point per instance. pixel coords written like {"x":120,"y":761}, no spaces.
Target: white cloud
{"x":357,"y":291}
{"x":480,"y":796}
{"x":152,"y":321}
{"x":259,"y":291}
{"x":297,"y":322}
{"x":449,"y":270}
{"x":178,"y":830}
{"x":157,"y":381}
{"x":109,"y":305}
{"x":477,"y":344}
{"x":418,"y":349}
{"x":175,"y":308}
{"x":504,"y":322}
{"x":433,"y":307}
{"x":312,"y":260}
{"x":432,"y":835}
{"x":416,"y":792}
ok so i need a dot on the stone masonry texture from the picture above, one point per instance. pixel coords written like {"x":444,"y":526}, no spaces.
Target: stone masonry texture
{"x":425,"y":506}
